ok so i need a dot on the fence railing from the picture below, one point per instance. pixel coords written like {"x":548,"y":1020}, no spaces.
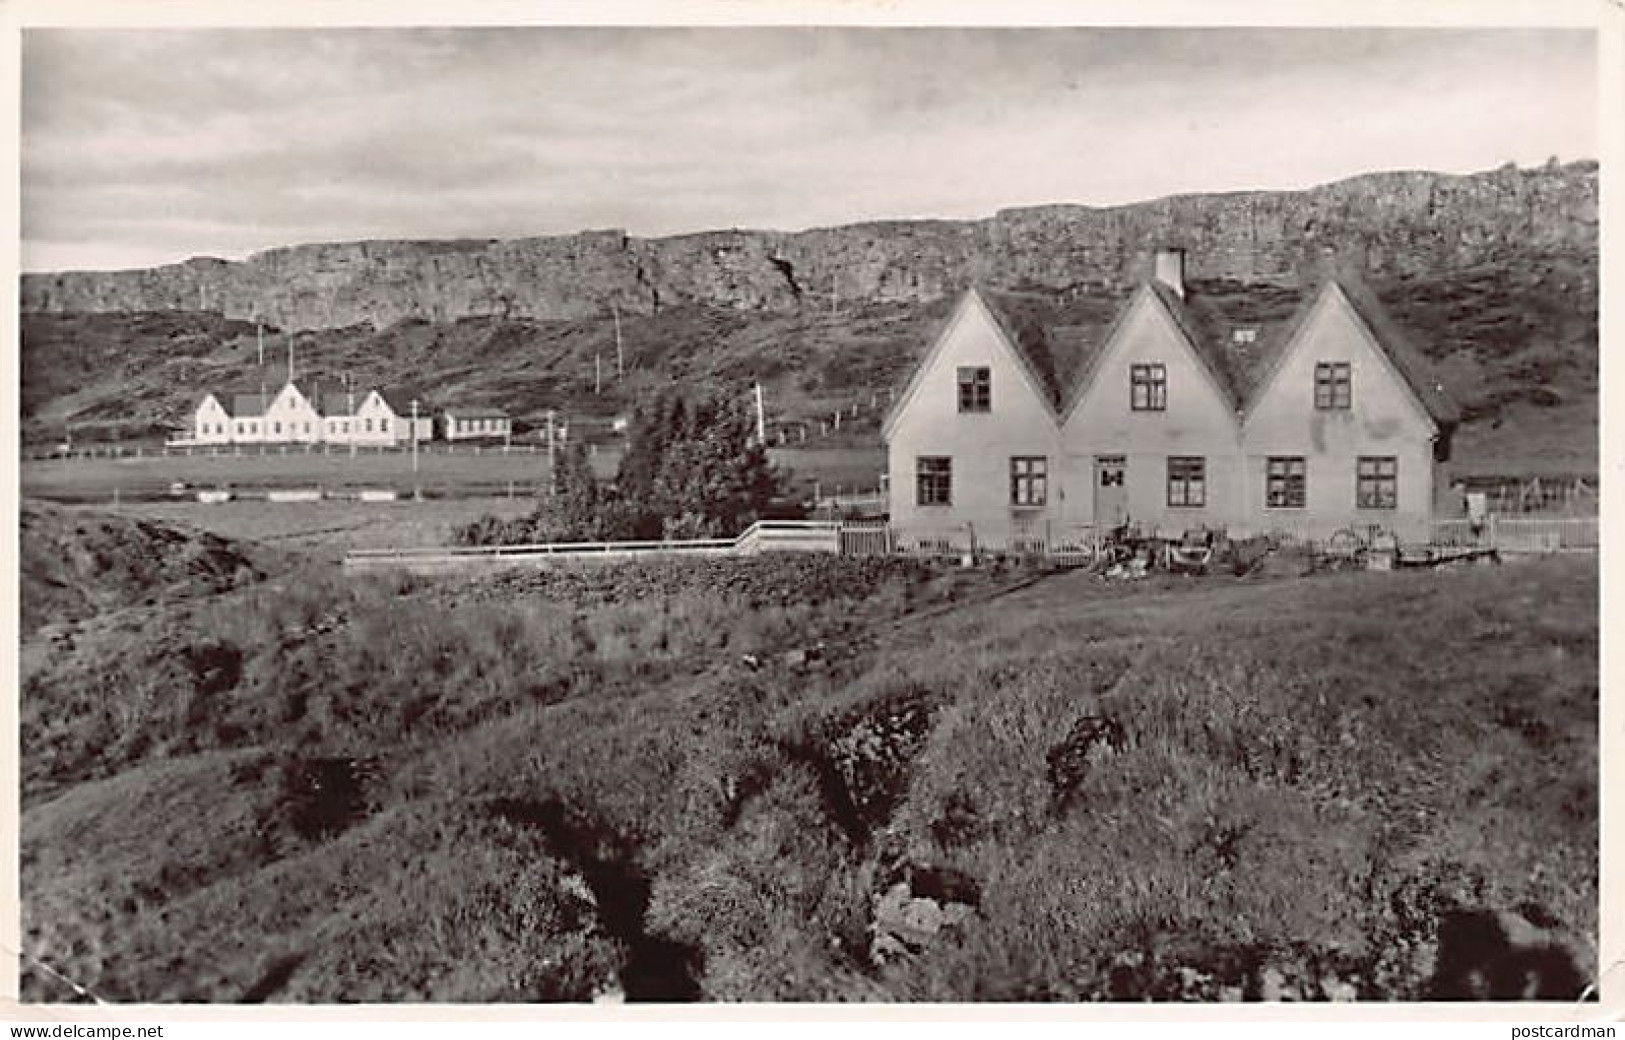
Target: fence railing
{"x":1077,"y":543}
{"x":762,"y":536}
{"x":1521,"y":533}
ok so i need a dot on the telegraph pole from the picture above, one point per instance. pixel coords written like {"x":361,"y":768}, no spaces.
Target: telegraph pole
{"x":417,"y":490}
{"x":761,"y":417}
{"x":620,"y":362}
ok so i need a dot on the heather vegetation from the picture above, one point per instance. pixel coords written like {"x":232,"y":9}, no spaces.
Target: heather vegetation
{"x":816,"y":778}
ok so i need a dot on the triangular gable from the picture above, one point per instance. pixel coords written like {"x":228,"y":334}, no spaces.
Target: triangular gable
{"x":1166,"y":302}
{"x":971,"y":301}
{"x":1332,"y":292}
{"x":297,"y":395}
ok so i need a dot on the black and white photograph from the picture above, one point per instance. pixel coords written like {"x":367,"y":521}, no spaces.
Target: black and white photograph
{"x":819,"y":512}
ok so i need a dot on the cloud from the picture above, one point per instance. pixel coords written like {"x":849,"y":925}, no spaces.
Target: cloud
{"x":173,"y":142}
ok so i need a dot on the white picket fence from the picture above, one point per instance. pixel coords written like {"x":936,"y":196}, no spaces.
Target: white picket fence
{"x":1522,"y":534}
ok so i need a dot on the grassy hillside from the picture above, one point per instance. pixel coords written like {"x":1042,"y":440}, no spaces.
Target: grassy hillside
{"x":813,"y":779}
{"x":1515,"y":340}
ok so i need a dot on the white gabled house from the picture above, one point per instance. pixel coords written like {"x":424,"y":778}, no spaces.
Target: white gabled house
{"x":291,"y":418}
{"x":211,"y":422}
{"x":314,"y":413}
{"x":1247,"y":408}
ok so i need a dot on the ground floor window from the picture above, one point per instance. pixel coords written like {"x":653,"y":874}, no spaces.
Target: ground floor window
{"x":1029,"y":480}
{"x":1377,"y":482}
{"x":1187,"y":480}
{"x":1285,"y":482}
{"x":934,"y":480}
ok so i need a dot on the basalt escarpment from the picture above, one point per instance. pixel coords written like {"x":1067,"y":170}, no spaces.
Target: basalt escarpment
{"x":1388,"y":224}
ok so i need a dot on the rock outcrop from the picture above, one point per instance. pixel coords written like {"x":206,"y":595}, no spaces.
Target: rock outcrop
{"x":1386,"y":223}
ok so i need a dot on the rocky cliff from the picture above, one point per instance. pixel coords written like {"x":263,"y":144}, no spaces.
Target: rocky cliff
{"x":1390,"y":224}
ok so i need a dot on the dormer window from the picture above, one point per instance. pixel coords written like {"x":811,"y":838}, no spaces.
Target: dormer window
{"x":1148,"y":387}
{"x":1244,"y":336}
{"x":976,"y":389}
{"x":1333,"y":385}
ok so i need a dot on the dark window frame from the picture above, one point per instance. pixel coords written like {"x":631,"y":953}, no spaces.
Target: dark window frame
{"x":975,"y":383}
{"x":1029,"y":481}
{"x":1148,"y":387}
{"x":1376,"y":482}
{"x":1334,"y":386}
{"x":1187,"y":481}
{"x":1286,"y":482}
{"x":933,"y":480}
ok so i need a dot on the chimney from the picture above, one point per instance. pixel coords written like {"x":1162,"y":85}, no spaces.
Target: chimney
{"x":1170,"y":270}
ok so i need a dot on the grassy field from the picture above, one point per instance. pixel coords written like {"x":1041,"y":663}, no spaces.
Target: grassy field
{"x":488,"y":473}
{"x":328,"y":529}
{"x":809,"y":779}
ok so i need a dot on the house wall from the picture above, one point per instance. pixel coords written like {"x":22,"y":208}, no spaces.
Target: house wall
{"x":1384,"y":419}
{"x":290,"y":419}
{"x":980,"y":444}
{"x":460,"y":428}
{"x":210,"y":423}
{"x":375,"y":423}
{"x":248,"y":429}
{"x":1198,"y":421}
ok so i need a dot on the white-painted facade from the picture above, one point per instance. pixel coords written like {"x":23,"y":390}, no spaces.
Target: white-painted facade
{"x":1186,"y":457}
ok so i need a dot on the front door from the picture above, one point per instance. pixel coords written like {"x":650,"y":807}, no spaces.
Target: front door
{"x":1111,"y":490}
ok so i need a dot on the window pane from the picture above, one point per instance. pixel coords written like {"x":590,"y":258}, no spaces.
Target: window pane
{"x":975,"y":389}
{"x":933,"y":480}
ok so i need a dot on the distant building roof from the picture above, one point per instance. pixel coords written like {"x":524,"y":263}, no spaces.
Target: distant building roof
{"x":246,"y":406}
{"x":474,"y":412}
{"x":400,"y":398}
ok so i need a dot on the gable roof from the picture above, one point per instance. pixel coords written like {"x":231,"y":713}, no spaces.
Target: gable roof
{"x":247,"y":406}
{"x":1062,"y":339}
{"x":400,"y":398}
{"x":474,"y":412}
{"x":1058,"y":339}
{"x":1412,"y":364}
{"x":1023,"y":332}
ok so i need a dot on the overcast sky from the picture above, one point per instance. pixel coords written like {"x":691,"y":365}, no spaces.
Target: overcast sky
{"x":147,"y":147}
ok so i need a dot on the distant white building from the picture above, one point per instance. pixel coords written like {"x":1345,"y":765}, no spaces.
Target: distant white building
{"x":312,"y":414}
{"x":463,"y":423}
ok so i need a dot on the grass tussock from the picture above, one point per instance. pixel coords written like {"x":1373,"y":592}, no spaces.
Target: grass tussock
{"x":644,"y":781}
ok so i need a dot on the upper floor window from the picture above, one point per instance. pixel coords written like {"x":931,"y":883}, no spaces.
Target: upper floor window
{"x":975,"y":389}
{"x":1148,"y":387}
{"x":1029,"y":480}
{"x":1377,"y":482}
{"x":1286,"y":482}
{"x":1187,"y":480}
{"x":1333,"y":386}
{"x":933,"y":480}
